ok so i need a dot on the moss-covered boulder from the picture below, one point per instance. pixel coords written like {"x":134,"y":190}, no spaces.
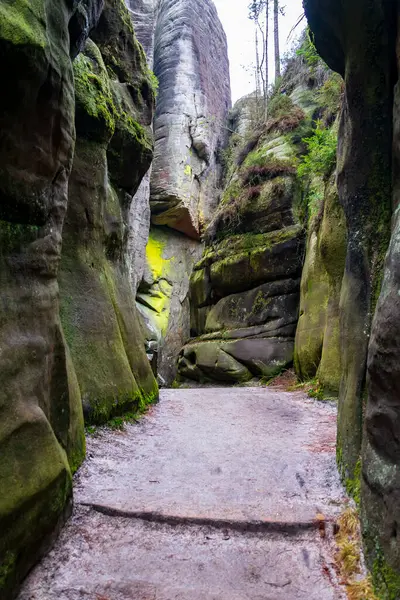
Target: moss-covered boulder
{"x":276,"y":301}
{"x":231,"y":358}
{"x":113,"y":152}
{"x":242,"y":262}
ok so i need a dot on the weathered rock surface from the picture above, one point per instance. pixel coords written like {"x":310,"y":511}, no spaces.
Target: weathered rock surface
{"x":380,"y":465}
{"x":226,"y":289}
{"x":144,"y":17}
{"x":317,"y":350}
{"x":366,"y":56}
{"x":192,"y":106}
{"x":41,"y":431}
{"x":214,"y":494}
{"x":364,"y":185}
{"x":163,"y":297}
{"x":113,"y":152}
{"x":245,"y":291}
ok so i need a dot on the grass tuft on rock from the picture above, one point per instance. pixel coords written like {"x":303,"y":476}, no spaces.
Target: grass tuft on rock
{"x":256,"y":174}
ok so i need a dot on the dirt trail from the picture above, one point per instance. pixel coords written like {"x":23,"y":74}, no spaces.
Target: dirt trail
{"x":216,"y":494}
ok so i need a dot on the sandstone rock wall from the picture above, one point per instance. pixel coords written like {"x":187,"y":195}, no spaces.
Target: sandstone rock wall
{"x":41,"y":432}
{"x":245,"y":290}
{"x":192,"y":106}
{"x":144,"y":17}
{"x":366,"y":56}
{"x":114,"y":104}
{"x":187,"y":47}
{"x":317,"y":349}
{"x":44,"y":379}
{"x":163,"y":299}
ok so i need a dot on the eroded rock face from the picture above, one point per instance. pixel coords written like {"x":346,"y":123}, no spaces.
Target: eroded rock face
{"x":192,"y":106}
{"x":187,"y":49}
{"x":318,"y":334}
{"x":163,"y":297}
{"x":144,"y":17}
{"x":245,"y":298}
{"x":113,"y":151}
{"x":41,"y":432}
{"x":366,"y":56}
{"x":245,"y":290}
{"x":364,"y":184}
{"x":381,"y":486}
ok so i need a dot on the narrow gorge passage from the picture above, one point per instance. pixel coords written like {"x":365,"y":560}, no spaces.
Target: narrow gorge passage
{"x":213,"y":494}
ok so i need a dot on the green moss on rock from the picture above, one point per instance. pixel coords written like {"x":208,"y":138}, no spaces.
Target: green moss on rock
{"x":93,"y":94}
{"x":22,"y":23}
{"x":14,"y":236}
{"x":386,"y":580}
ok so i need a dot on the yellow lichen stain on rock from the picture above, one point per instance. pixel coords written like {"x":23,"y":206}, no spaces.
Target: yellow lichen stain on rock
{"x":155,"y":260}
{"x":159,"y":297}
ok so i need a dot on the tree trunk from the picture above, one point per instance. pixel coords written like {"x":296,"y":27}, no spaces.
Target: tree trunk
{"x":276,"y":36}
{"x":266,"y":55}
{"x":257,"y":71}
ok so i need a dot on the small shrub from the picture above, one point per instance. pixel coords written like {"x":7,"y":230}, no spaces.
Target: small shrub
{"x":330,"y":96}
{"x":315,"y":390}
{"x":320,"y":159}
{"x":279,"y":106}
{"x":308,"y":51}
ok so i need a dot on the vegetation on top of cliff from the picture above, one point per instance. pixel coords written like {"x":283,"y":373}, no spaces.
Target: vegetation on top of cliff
{"x":308,"y":51}
{"x":297,"y":140}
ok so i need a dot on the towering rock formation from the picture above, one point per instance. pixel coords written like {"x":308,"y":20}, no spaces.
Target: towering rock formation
{"x":187,"y":46}
{"x":42,"y":379}
{"x":114,"y":107}
{"x":245,"y":291}
{"x":191,"y":110}
{"x":366,"y":56}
